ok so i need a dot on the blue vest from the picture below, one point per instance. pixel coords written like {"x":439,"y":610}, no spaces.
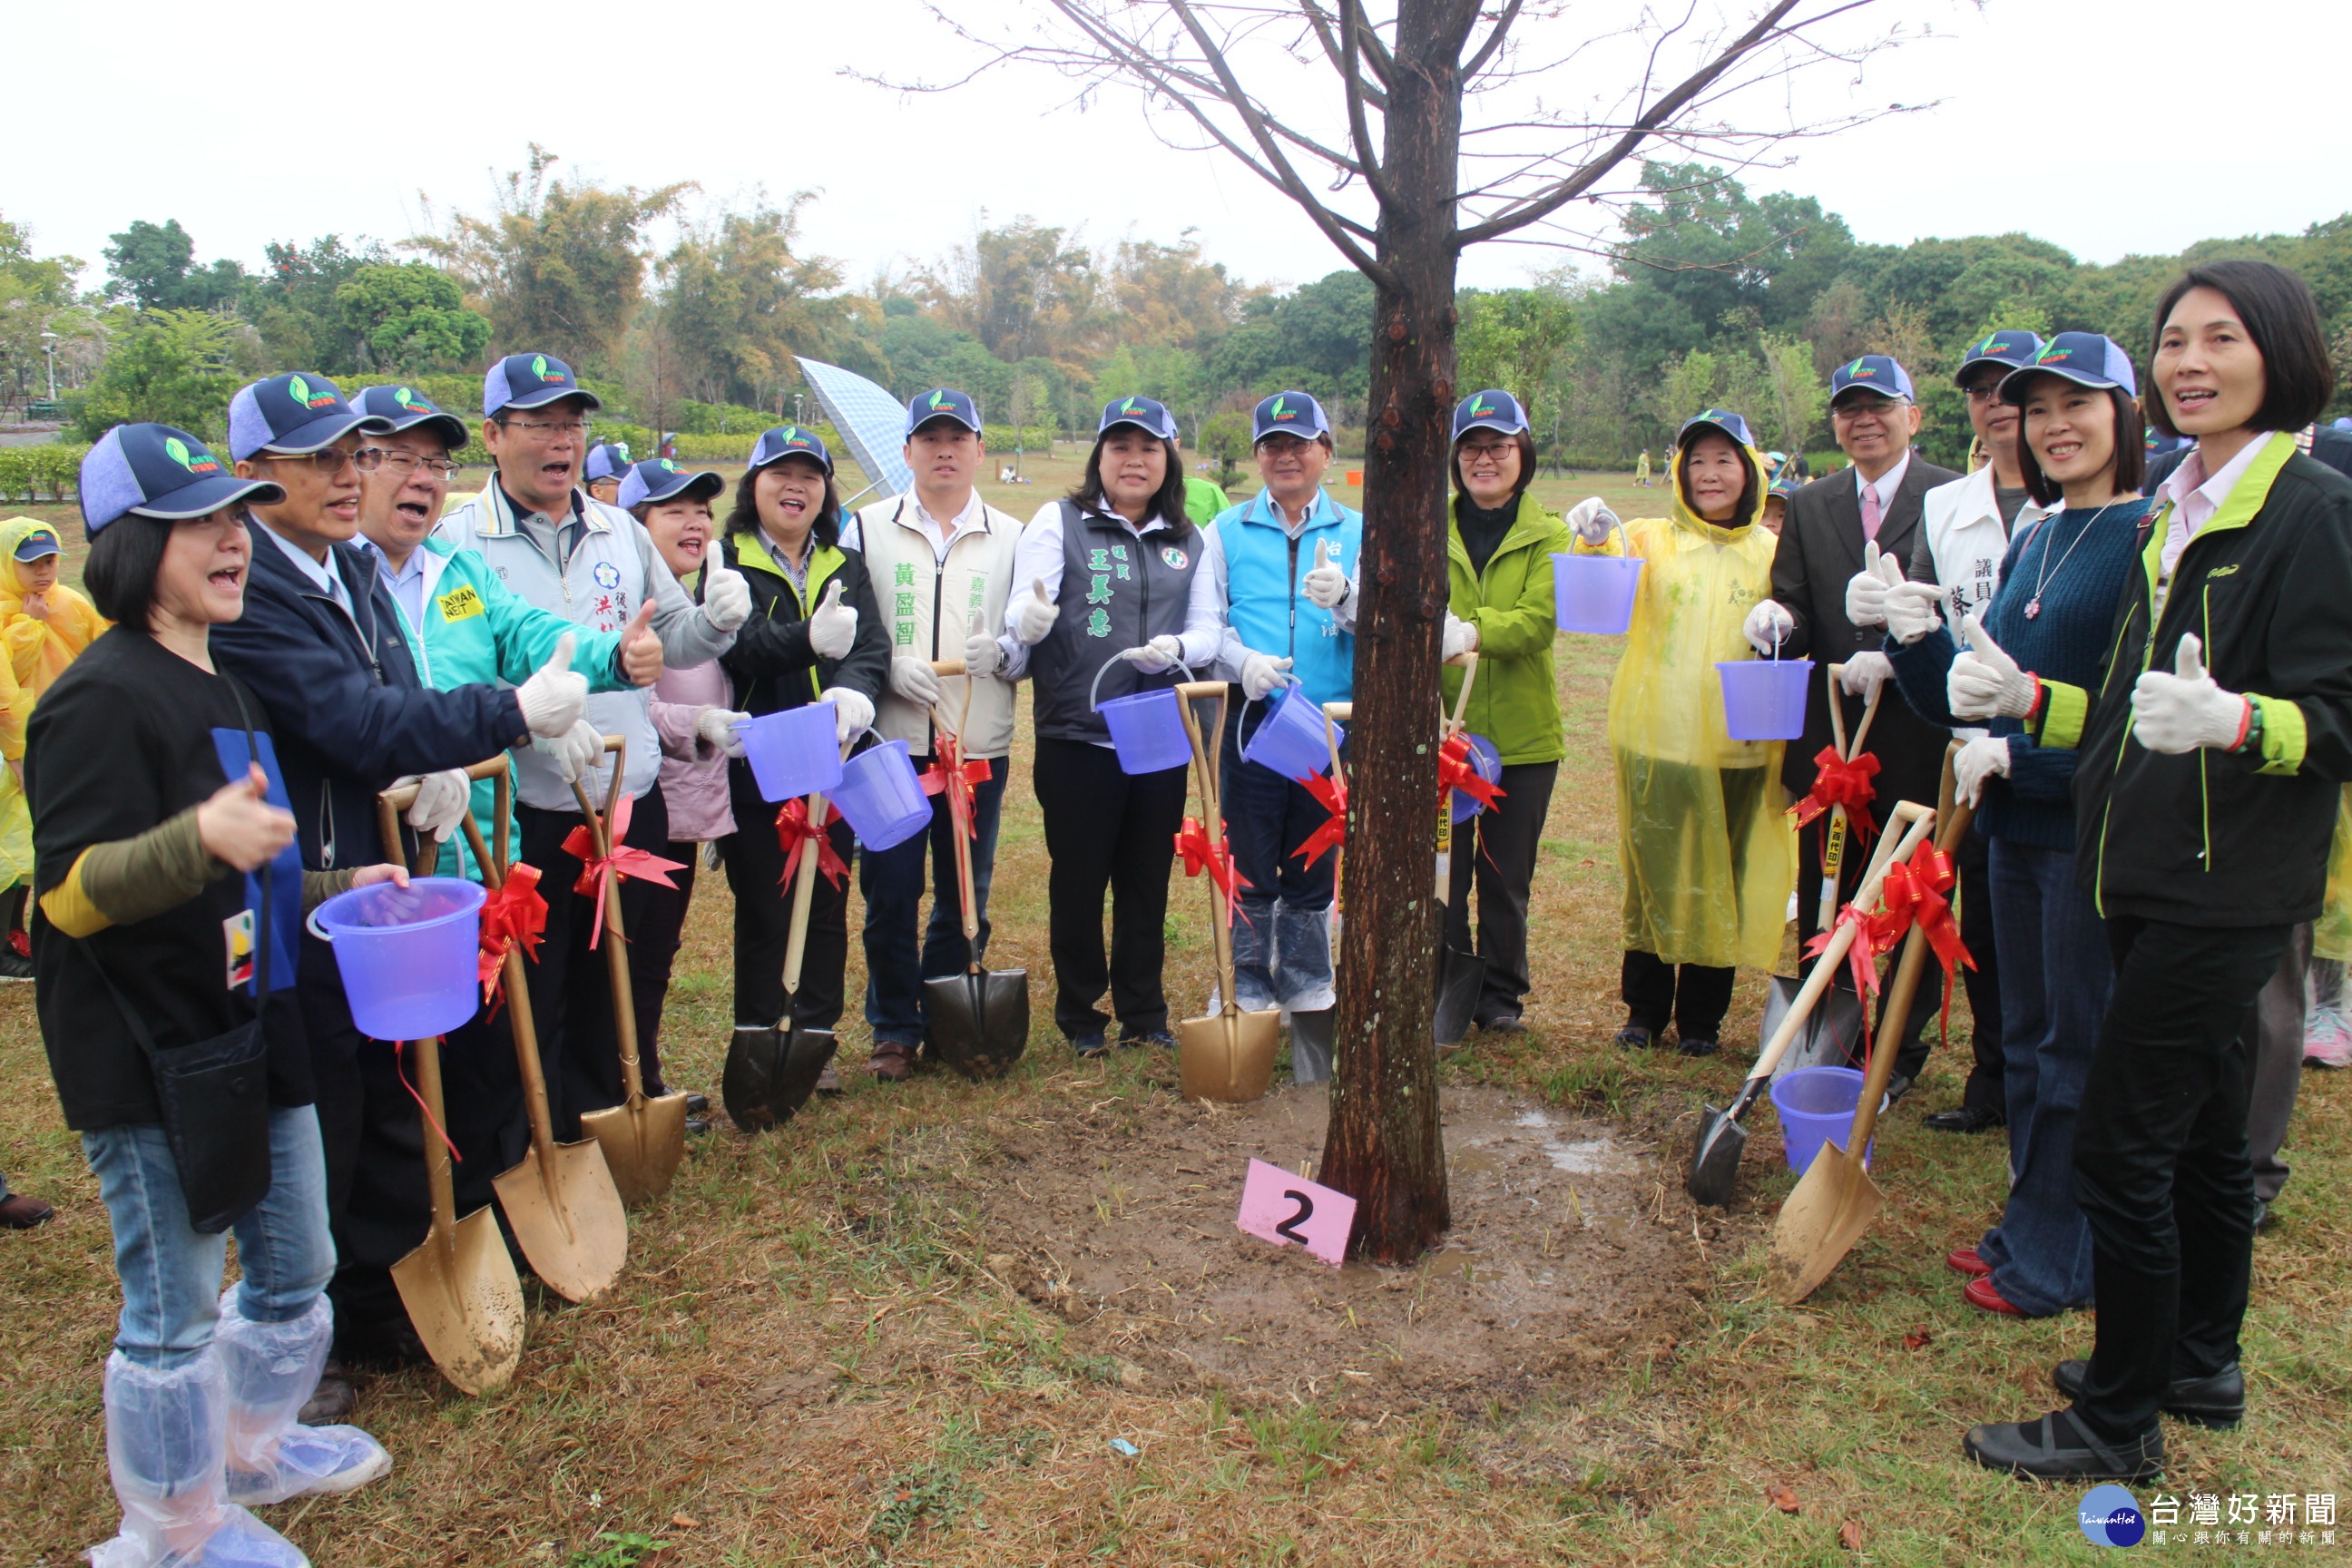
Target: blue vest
{"x":1263,"y":601}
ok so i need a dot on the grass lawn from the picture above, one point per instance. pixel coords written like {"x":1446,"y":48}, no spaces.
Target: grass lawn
{"x":857,"y":1341}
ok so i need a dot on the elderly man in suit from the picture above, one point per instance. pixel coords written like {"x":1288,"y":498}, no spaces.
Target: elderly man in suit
{"x":1836,"y":526}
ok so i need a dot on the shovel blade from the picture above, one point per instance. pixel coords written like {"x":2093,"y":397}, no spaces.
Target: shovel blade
{"x":1715,"y":1158}
{"x":806,"y":1052}
{"x":1228,"y":1056}
{"x":1828,"y":1036}
{"x":1460,"y":976}
{"x":748,"y":1088}
{"x":978,"y":1022}
{"x":643,"y":1141}
{"x":566,"y":1215}
{"x":465,"y":1302}
{"x":1819,"y":1225}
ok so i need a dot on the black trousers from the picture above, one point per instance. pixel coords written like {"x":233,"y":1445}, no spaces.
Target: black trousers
{"x":1696,"y":997}
{"x":754,"y":858}
{"x":571,"y":986}
{"x":1912,"y":1054}
{"x":1107,"y":830}
{"x":2161,"y":1165}
{"x":1496,"y":852}
{"x":653,"y":953}
{"x":1983,"y":1090}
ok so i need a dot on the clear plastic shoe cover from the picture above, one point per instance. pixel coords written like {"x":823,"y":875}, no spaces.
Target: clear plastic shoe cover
{"x":271,"y":1371}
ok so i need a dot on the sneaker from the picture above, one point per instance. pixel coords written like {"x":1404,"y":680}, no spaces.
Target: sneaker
{"x":15,"y":965}
{"x":1159,"y":1038}
{"x":2326,"y":1039}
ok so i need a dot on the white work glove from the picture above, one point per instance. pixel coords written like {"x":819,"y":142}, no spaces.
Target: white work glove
{"x":441,"y":801}
{"x":1977,"y":762}
{"x":554,"y":697}
{"x":1768,"y":625}
{"x":852,"y":712}
{"x":716,"y":727}
{"x":1592,"y":520}
{"x":1162,"y":652}
{"x":726,"y":597}
{"x":833,"y":625}
{"x":1913,"y":610}
{"x":1865,"y":591}
{"x":1324,"y":584}
{"x":2186,"y":710}
{"x":1036,"y":615}
{"x":1865,"y":673}
{"x":1461,"y":636}
{"x":911,"y":679}
{"x":1261,"y":675}
{"x":1984,"y":681}
{"x":575,"y":752}
{"x":983,"y":655}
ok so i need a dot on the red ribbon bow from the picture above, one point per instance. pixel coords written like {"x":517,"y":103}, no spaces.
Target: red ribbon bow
{"x":515,"y":914}
{"x":950,"y":774}
{"x":793,"y":834}
{"x":1838,"y":781}
{"x":1201,"y":855}
{"x":597,"y":871}
{"x":1331,"y":791}
{"x":1455,"y":770}
{"x":1912,"y":893}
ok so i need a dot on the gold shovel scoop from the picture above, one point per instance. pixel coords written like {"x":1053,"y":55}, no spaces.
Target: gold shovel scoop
{"x":1228,"y":1054}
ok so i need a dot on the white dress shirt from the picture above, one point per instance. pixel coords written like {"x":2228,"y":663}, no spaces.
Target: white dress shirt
{"x":321,"y":572}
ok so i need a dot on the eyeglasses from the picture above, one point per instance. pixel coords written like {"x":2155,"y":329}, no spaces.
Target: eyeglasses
{"x":551,"y":429}
{"x":1984,"y":391}
{"x":328,"y":462}
{"x":371,"y":458}
{"x":1478,"y":451}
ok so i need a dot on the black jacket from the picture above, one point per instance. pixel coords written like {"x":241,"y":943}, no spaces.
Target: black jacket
{"x":771,"y":663}
{"x":2212,"y":838}
{"x":1820,"y":550}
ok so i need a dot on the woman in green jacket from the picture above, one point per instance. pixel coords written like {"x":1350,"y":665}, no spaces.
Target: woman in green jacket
{"x":1498,"y":550}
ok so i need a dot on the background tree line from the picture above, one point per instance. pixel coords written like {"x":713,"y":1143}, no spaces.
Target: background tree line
{"x":689,"y":312}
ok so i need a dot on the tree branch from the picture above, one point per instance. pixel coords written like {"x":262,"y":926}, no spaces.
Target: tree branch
{"x":1375,"y":96}
{"x":1494,"y":42}
{"x":1359,"y":125}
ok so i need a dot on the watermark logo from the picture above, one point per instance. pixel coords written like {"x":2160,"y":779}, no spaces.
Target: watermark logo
{"x":2110,"y":1516}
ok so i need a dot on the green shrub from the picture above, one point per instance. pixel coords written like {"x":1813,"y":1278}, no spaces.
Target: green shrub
{"x":46,"y":470}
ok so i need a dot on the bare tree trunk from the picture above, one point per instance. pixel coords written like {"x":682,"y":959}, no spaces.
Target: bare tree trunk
{"x":1384,"y":1146}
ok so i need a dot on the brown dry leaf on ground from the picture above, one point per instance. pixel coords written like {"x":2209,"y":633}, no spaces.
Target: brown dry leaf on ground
{"x":1918,"y":1339}
{"x":1783,"y":1496}
{"x":1850,"y":1535}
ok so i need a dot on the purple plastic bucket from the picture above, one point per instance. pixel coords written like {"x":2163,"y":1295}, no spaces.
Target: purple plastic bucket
{"x":881,"y":797}
{"x":1816,"y":1105}
{"x":1487,"y":762}
{"x":792,"y":752}
{"x":407,"y":955}
{"x":1764,"y":698}
{"x":1290,"y":739}
{"x":1594,"y":592}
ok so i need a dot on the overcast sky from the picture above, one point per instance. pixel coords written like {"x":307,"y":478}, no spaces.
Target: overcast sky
{"x":339,"y":119}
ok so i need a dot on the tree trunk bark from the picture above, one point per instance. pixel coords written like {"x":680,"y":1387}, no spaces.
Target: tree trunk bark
{"x":1384,"y":1146}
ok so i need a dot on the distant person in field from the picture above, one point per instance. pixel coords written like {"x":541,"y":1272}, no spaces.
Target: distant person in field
{"x":44,"y":624}
{"x":608,"y":461}
{"x":1776,"y":506}
{"x":1641,"y":468}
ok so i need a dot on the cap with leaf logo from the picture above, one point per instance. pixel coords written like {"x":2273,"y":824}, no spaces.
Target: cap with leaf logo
{"x":1493,"y":410}
{"x":532,"y":381}
{"x":659,"y":479}
{"x":943,"y":402}
{"x":156,"y":470}
{"x":299,"y":412}
{"x":405,"y":409}
{"x":789,"y":441}
{"x":1143,"y":412}
{"x":1289,"y":414}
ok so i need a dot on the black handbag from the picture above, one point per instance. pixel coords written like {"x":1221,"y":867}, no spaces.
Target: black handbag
{"x":215,"y":1094}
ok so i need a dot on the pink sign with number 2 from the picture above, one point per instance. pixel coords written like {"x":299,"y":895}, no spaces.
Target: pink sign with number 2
{"x":1283,"y":1208}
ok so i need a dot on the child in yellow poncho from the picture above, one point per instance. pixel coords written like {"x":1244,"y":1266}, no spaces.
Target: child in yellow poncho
{"x":1707,"y":855}
{"x":44,"y":624}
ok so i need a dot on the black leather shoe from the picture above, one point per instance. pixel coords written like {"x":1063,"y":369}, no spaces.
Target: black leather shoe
{"x":2219,"y":1400}
{"x":1965,"y":1118}
{"x":1634,"y":1037}
{"x":1695,"y":1045}
{"x":697,"y":1104}
{"x":1503,"y":1024}
{"x":2058,"y":1447}
{"x":330,"y":1402}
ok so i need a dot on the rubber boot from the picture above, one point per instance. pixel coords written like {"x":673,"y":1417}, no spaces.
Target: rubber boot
{"x":270,"y":1370}
{"x":1310,"y":1045}
{"x":166,"y":1450}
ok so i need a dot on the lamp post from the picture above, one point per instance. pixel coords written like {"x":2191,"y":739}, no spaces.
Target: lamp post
{"x":49,"y":347}
{"x":796,"y":408}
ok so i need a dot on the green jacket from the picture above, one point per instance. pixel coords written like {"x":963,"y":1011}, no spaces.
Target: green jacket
{"x":1514,"y":701}
{"x":477,"y":631}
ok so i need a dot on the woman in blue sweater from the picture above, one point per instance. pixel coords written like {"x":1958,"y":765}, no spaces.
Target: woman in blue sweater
{"x":2054,"y":609}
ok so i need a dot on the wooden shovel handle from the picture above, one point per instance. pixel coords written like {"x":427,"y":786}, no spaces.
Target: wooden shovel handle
{"x":616,"y":937}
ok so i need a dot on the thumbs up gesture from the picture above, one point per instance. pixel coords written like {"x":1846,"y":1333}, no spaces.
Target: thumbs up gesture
{"x":726,"y":597}
{"x":2185,"y":710}
{"x":1912,"y":608}
{"x":1033,"y":617}
{"x":641,"y":650}
{"x":1326,"y":584}
{"x":554,"y":697}
{"x":237,"y":825}
{"x":1985,"y":681}
{"x":1865,"y":591}
{"x":833,"y":625}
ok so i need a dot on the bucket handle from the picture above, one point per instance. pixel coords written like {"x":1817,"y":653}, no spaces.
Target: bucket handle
{"x":1093,"y":692}
{"x":310,"y":924}
{"x":1241,"y":720}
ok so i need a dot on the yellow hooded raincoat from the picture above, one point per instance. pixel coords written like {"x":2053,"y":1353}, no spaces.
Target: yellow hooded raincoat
{"x":1707,"y":852}
{"x":38,"y":649}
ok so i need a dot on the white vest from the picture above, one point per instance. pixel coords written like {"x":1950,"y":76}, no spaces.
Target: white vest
{"x":930,"y":606}
{"x":1960,"y":521}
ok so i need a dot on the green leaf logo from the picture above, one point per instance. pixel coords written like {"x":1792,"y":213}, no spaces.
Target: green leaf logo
{"x":300,"y":391}
{"x":403,"y":396}
{"x":937,"y":398}
{"x":177,"y":450}
{"x":669,"y":467}
{"x":792,"y":435}
{"x":539,"y":366}
{"x":1128,"y":408}
{"x":1278,"y":411}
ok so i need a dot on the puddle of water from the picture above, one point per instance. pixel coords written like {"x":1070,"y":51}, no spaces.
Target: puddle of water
{"x":1585,"y":1157}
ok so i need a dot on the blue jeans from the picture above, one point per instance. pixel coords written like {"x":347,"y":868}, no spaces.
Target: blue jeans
{"x":171,"y":1272}
{"x":1282,"y":935}
{"x":892,"y":881}
{"x":2055,"y":974}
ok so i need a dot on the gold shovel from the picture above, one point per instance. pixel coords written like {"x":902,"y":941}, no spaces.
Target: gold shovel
{"x":1228,"y":1054}
{"x":644,"y":1139}
{"x":459,"y":1283}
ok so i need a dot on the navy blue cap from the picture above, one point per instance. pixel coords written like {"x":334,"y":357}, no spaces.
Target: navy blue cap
{"x":530,"y":380}
{"x":658,"y":478}
{"x":1785,"y":487}
{"x":408,"y":408}
{"x":1288,"y":414}
{"x":2086,"y":358}
{"x":1493,"y":410}
{"x":942,"y":402}
{"x":1150,"y":417}
{"x":1723,"y":419}
{"x":298,"y":412}
{"x":158,"y":471}
{"x":41,"y":542}
{"x":2009,"y":350}
{"x":790,"y":441}
{"x":607,"y":460}
{"x":1878,"y":373}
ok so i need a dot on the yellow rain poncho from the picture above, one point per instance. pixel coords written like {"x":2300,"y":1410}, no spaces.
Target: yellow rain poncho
{"x":38,"y":649}
{"x":1707,"y":852}
{"x":15,"y":816}
{"x":2331,"y":933}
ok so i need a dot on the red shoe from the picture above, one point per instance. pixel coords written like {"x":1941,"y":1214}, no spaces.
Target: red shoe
{"x":1964,"y":1260}
{"x":1983,"y":1295}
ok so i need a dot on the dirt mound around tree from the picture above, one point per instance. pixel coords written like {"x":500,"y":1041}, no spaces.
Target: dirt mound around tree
{"x":1122,"y":1223}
